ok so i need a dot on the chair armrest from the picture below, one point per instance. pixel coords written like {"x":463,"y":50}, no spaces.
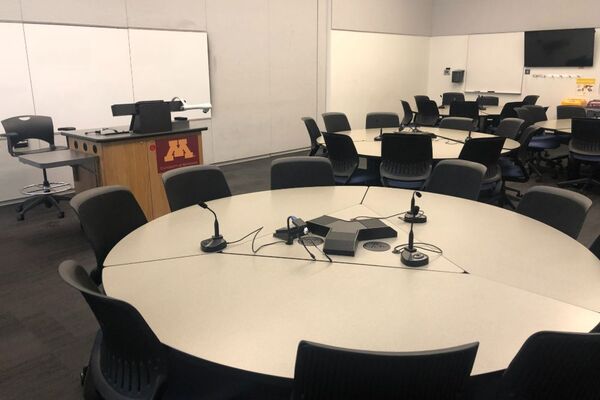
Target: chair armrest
{"x":11,"y":140}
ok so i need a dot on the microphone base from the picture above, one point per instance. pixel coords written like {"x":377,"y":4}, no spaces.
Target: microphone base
{"x":414,"y":219}
{"x":413,"y":258}
{"x":214,"y":244}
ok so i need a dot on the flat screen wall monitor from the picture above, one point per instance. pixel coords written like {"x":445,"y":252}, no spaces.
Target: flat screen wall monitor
{"x":560,"y":48}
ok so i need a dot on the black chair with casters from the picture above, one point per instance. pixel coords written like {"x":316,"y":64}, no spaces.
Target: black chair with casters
{"x":325,"y":372}
{"x":408,"y":114}
{"x":543,"y":202}
{"x":406,"y":160}
{"x":428,"y":113}
{"x":566,"y":112}
{"x":459,"y":123}
{"x":450,"y":97}
{"x":18,"y":131}
{"x":595,"y":248}
{"x":486,"y":151}
{"x":107,"y":214}
{"x":538,"y":113}
{"x":294,"y":172}
{"x":336,"y":122}
{"x":510,"y":128}
{"x":127,"y":359}
{"x":539,"y":144}
{"x":187,"y":186}
{"x":508,"y":111}
{"x":584,"y":148}
{"x":458,"y":178}
{"x":382,"y":120}
{"x":554,"y":366}
{"x":314,"y":133}
{"x":419,"y":98}
{"x":465,"y":109}
{"x":344,"y":160}
{"x":483,"y":101}
{"x":530,"y":99}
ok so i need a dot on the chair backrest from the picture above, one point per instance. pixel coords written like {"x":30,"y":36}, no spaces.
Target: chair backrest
{"x":26,"y":127}
{"x":525,"y":138}
{"x":585,"y":136}
{"x":508,"y":109}
{"x":293,"y":172}
{"x":324,"y":372}
{"x":560,"y":208}
{"x":188,"y":186}
{"x":382,"y":120}
{"x":342,"y":153}
{"x":107,"y":214}
{"x":484,"y":151}
{"x":336,"y":122}
{"x":466,"y":109}
{"x":458,"y":178}
{"x":428,"y":113}
{"x":554,"y":366}
{"x":526,"y":115}
{"x":565,"y":112}
{"x":419,"y":98}
{"x":313,"y":130}
{"x":488,"y":100}
{"x":530,"y":99}
{"x":538,"y":113}
{"x":406,"y":148}
{"x":595,"y":248}
{"x":132,"y":359}
{"x":460,"y":123}
{"x":408,"y":113}
{"x":450,"y":97}
{"x":510,"y":128}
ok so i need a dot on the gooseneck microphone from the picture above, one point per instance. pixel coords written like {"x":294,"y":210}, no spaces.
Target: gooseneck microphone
{"x":216,"y":242}
{"x":414,"y":215}
{"x":409,"y":255}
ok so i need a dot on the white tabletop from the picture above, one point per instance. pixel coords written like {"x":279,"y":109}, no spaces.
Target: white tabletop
{"x":489,"y":111}
{"x":250,"y":311}
{"x":447,"y":145}
{"x":557,"y":125}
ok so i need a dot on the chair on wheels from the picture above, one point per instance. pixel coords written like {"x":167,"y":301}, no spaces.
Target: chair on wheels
{"x":336,"y":122}
{"x":408,"y":114}
{"x":465,"y":109}
{"x":188,"y":186}
{"x":382,"y":120}
{"x":554,"y":366}
{"x":567,"y":112}
{"x":486,"y":151}
{"x":459,"y":123}
{"x":406,"y":160}
{"x":107,"y":214}
{"x":530,"y":99}
{"x":419,"y":98}
{"x":539,"y":144}
{"x":510,"y":128}
{"x":560,"y":208}
{"x":428,"y":113}
{"x":313,"y":133}
{"x":294,"y":172}
{"x":450,"y":97}
{"x":325,"y":372}
{"x":127,"y":359}
{"x":458,"y":178}
{"x":487,"y":101}
{"x":344,"y":160}
{"x":584,"y":148}
{"x":20,"y":129}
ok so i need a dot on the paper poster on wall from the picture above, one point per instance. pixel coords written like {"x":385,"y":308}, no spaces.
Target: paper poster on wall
{"x":586,"y":85}
{"x":176,"y":153}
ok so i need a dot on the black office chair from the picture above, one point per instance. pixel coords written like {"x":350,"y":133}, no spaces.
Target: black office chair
{"x":406,"y":160}
{"x":325,"y":372}
{"x":460,"y":123}
{"x":313,"y":133}
{"x":560,"y":208}
{"x":19,"y":130}
{"x":584,"y":148}
{"x":188,"y":186}
{"x":539,"y":144}
{"x":465,"y":109}
{"x":107,"y":214}
{"x":483,"y":101}
{"x":336,"y":122}
{"x":450,"y":97}
{"x":538,"y":113}
{"x":554,"y":366}
{"x":428,"y":113}
{"x":566,"y":112}
{"x":595,"y":248}
{"x":510,"y":128}
{"x":508,"y":110}
{"x":344,"y":160}
{"x":382,"y":120}
{"x":530,"y":99}
{"x":294,"y":172}
{"x":458,"y":178}
{"x":127,"y":359}
{"x":486,"y":151}
{"x":408,"y":113}
{"x":419,"y":98}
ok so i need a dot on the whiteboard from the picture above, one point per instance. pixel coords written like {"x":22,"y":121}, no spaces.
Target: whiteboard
{"x":165,"y":64}
{"x":78,"y":72}
{"x":495,"y":62}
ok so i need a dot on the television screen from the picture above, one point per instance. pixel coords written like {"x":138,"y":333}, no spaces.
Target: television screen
{"x":560,"y":48}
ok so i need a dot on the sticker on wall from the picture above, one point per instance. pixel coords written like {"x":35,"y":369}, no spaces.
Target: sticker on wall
{"x":177,"y":153}
{"x":586,"y":85}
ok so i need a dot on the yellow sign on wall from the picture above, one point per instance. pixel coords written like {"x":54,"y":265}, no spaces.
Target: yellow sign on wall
{"x":586,"y":85}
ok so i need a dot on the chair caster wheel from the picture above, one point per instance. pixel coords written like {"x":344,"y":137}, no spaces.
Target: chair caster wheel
{"x":20,"y":217}
{"x":61,"y":214}
{"x":82,"y":375}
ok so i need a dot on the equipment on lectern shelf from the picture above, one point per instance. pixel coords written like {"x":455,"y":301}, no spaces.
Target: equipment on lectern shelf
{"x":415,"y":215}
{"x":410,"y":256}
{"x":216,"y":242}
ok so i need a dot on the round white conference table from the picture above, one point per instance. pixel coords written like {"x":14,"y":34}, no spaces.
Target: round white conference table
{"x":447,"y":145}
{"x":501,"y":277}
